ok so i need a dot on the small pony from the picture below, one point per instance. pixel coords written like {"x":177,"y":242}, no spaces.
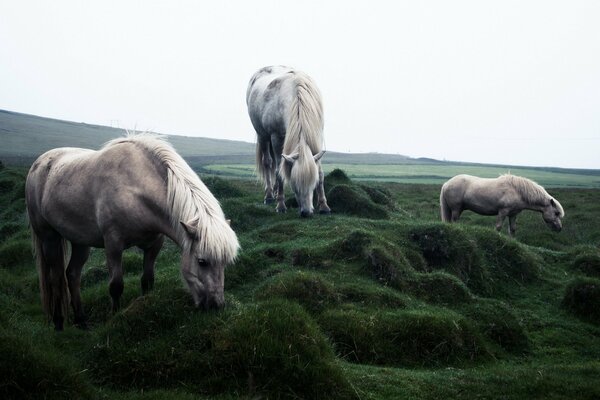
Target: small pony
{"x":505,"y":196}
{"x":286,"y":110}
{"x":132,"y":192}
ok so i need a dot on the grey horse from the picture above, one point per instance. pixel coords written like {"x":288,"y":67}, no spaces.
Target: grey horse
{"x":505,"y":196}
{"x":286,"y":110}
{"x":132,"y":192}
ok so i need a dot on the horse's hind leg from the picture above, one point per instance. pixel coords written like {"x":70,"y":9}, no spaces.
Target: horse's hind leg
{"x":114,"y":258}
{"x":150,"y":254}
{"x":277,"y":143}
{"x":79,"y":255}
{"x":268,"y":169}
{"x":512,"y":226}
{"x":54,"y":293}
{"x":321,"y":199}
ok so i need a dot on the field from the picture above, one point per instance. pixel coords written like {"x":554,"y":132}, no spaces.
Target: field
{"x":378,"y":300}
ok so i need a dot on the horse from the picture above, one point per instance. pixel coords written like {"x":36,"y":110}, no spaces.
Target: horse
{"x":505,"y":196}
{"x":286,"y":110}
{"x":134,"y":191}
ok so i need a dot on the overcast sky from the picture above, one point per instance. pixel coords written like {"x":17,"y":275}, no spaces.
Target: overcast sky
{"x":511,"y":82}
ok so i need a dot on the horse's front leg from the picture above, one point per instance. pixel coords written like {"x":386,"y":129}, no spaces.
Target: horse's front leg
{"x":512,"y":225}
{"x":150,"y":254}
{"x":114,"y":258}
{"x":281,"y":208}
{"x":500,"y":219}
{"x":79,"y":255}
{"x":322,"y":200}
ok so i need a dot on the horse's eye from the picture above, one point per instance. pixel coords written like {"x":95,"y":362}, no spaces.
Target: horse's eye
{"x":202,"y":262}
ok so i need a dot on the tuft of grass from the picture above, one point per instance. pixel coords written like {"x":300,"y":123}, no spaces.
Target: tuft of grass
{"x":354,"y":201}
{"x":33,"y":370}
{"x":222,"y":188}
{"x":447,"y":247}
{"x":404,"y":338}
{"x":271,"y":348}
{"x":439,"y":288}
{"x":15,"y":252}
{"x":582,"y":298}
{"x":309,"y":289}
{"x":588,"y":263}
{"x":498,"y":322}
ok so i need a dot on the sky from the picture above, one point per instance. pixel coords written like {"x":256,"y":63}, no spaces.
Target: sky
{"x":510,"y":82}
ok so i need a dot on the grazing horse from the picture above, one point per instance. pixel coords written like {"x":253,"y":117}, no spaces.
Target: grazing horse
{"x":132,"y":192}
{"x":505,"y":196}
{"x":286,"y":111}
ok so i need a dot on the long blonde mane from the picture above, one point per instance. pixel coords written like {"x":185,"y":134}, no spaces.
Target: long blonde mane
{"x":188,"y":198}
{"x":530,"y":191}
{"x":304,"y":132}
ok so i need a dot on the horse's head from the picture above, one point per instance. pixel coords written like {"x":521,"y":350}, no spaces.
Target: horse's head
{"x":304,"y":177}
{"x":204,"y":275}
{"x":552,"y":213}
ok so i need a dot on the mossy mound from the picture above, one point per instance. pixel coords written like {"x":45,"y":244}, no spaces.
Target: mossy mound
{"x":380,"y":196}
{"x":244,"y":215}
{"x":249,"y":267}
{"x":336,"y":177}
{"x":497,"y":321}
{"x":29,"y":371}
{"x":310,"y":290}
{"x":448,"y":248}
{"x":271,"y":349}
{"x":582,"y":298}
{"x":588,"y":263}
{"x":93,"y":275}
{"x":368,"y":295}
{"x":8,"y":229}
{"x":222,"y":188}
{"x":389,"y":267}
{"x":404,"y":338}
{"x":353,"y":200}
{"x":15,"y":252}
{"x":507,"y":259}
{"x":439,"y":288}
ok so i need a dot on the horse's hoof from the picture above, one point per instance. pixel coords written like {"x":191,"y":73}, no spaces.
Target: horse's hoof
{"x":269,"y":200}
{"x":281,"y":210}
{"x":325,"y":212}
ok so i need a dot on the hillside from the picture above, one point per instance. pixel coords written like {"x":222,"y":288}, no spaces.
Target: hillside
{"x":377,"y":301}
{"x":23,"y":137}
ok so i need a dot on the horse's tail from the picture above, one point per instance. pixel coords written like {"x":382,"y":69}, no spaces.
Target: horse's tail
{"x":445,"y":210}
{"x":54,"y":290}
{"x":305,"y":119}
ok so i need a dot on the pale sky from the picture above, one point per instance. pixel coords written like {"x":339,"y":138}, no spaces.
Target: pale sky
{"x":510,"y":82}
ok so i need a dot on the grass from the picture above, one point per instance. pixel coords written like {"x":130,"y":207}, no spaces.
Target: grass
{"x":378,"y":300}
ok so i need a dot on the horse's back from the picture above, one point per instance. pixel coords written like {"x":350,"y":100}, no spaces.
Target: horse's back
{"x":269,"y":96}
{"x":79,"y":192}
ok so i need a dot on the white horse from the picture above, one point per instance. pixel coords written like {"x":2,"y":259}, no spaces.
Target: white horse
{"x":286,"y":110}
{"x":505,"y":196}
{"x":132,"y":192}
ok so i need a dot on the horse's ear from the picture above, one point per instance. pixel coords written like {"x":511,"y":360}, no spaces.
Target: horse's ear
{"x":552,"y":203}
{"x":191,"y":227}
{"x":318,"y":156}
{"x":228,"y":222}
{"x":290,"y":158}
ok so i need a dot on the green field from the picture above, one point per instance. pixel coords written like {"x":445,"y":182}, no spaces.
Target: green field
{"x":434,"y":173}
{"x":377,"y":301}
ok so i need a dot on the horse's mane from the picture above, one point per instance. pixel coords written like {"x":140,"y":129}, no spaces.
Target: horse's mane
{"x":305,"y":122}
{"x":530,"y":190}
{"x":188,"y":198}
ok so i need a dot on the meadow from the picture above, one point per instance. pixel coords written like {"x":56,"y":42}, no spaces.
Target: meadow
{"x":378,"y":300}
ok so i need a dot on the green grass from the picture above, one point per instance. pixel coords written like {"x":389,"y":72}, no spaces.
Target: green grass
{"x":379,"y":300}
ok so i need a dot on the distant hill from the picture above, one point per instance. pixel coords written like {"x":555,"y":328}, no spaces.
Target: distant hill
{"x":23,"y":137}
